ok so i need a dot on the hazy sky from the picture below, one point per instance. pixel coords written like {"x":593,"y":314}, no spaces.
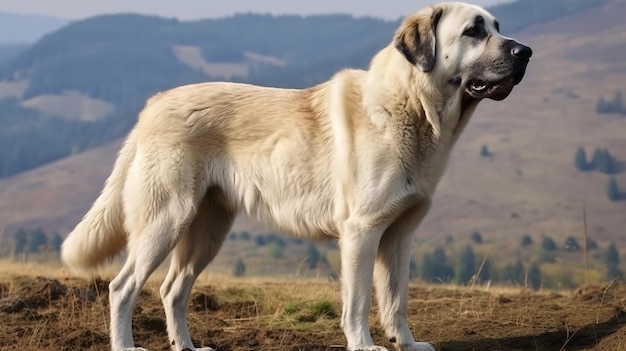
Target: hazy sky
{"x":194,"y":9}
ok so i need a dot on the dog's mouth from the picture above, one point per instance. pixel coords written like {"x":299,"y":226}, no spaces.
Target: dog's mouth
{"x":494,"y":89}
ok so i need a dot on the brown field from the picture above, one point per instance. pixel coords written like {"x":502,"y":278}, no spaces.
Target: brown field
{"x":43,"y":308}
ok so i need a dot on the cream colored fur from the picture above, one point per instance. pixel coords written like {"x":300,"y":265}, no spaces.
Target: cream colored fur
{"x":356,"y":159}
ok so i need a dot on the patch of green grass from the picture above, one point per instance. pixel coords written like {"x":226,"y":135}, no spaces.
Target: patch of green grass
{"x":292,"y":308}
{"x":322,"y":309}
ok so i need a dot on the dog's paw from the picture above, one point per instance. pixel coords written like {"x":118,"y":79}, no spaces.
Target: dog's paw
{"x":371,"y":348}
{"x":134,"y":349}
{"x":416,"y":346}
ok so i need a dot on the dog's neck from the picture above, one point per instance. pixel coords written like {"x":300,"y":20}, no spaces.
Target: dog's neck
{"x":389,"y":95}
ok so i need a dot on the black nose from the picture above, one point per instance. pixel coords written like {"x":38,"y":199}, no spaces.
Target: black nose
{"x":522,"y":51}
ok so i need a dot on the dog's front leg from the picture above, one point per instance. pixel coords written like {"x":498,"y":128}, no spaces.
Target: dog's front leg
{"x":358,"y":251}
{"x":391,"y":277}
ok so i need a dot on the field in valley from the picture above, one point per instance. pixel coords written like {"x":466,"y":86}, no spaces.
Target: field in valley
{"x":44,"y":308}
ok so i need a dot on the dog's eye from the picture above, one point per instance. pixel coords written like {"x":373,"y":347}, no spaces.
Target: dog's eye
{"x":472,"y":31}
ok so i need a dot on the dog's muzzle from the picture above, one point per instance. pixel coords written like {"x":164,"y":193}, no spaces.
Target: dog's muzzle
{"x":498,"y":89}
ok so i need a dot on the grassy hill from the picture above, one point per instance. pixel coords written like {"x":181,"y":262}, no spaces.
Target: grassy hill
{"x":109,"y":65}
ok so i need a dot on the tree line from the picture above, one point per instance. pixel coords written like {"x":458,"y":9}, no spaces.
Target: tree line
{"x":604,"y":162}
{"x":34,"y":241}
{"x":611,"y":106}
{"x":468,"y":268}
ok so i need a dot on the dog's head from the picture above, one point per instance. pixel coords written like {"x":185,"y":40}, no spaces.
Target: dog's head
{"x":460,"y":45}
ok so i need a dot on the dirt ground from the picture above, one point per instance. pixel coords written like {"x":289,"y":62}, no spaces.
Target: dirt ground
{"x":40,"y":313}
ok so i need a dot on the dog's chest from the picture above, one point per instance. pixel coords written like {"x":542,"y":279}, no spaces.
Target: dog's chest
{"x":423,"y":156}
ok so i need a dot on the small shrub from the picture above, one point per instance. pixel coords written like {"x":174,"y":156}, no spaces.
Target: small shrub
{"x":484,"y":152}
{"x":477,"y":237}
{"x":526,"y":241}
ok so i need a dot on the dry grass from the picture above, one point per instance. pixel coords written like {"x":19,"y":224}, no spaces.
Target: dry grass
{"x":289,"y":314}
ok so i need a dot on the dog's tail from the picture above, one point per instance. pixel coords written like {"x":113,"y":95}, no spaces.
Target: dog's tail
{"x":100,"y":235}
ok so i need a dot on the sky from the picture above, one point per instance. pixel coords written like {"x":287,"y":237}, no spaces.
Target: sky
{"x":196,"y":9}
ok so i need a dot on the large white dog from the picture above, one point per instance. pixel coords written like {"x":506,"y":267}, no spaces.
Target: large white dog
{"x":356,"y":158}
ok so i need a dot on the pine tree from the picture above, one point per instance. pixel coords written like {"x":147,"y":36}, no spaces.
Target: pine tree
{"x":612,"y":261}
{"x":611,"y":258}
{"x":427,"y":271}
{"x":534,"y":276}
{"x":484,"y":151}
{"x":466,"y":267}
{"x":571,"y":244}
{"x":613,"y":190}
{"x":519,"y":273}
{"x":580,"y":160}
{"x":602,"y":161}
{"x":435,"y":267}
{"x":36,"y":239}
{"x":614,"y":273}
{"x":313,"y":255}
{"x":602,"y":106}
{"x":485,"y":273}
{"x":444,"y":272}
{"x":591,"y":244}
{"x":548,"y":244}
{"x":526,"y":241}
{"x":260,"y":240}
{"x":413,"y":269}
{"x":477,"y":238}
{"x":515,"y":274}
{"x":55,"y":242}
{"x":20,"y":240}
{"x":617,"y":102}
{"x":276,"y":251}
{"x":240,"y":268}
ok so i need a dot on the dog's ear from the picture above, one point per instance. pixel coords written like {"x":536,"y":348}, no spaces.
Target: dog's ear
{"x":415,"y":38}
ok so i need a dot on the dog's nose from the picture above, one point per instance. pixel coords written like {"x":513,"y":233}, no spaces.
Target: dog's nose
{"x":522,"y":51}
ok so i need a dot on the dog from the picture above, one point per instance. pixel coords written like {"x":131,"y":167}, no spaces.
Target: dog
{"x":356,"y":158}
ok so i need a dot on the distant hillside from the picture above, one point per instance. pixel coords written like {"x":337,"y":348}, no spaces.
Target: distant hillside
{"x":104,"y":68}
{"x":17,"y":28}
{"x":109,"y":65}
{"x":527,"y":183}
{"x":120,"y":60}
{"x":9,"y":52}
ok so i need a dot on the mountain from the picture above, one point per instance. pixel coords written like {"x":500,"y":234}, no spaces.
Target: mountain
{"x":87,"y":81}
{"x":528,"y":183}
{"x":9,"y":52}
{"x":106,"y":67}
{"x":17,"y":28}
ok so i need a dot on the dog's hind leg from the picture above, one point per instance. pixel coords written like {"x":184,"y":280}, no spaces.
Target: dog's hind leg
{"x":159,"y":205}
{"x":147,"y":253}
{"x":191,"y":255}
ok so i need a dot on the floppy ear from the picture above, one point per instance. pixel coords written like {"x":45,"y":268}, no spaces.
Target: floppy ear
{"x":415,"y":39}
